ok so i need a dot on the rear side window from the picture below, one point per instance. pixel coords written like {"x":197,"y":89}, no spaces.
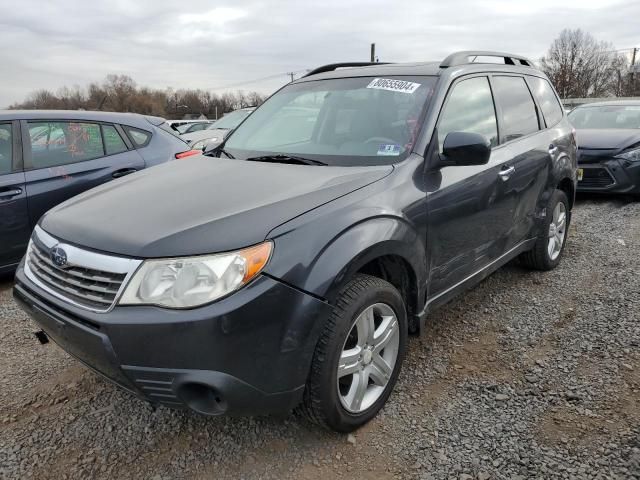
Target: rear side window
{"x":140,"y":138}
{"x":61,"y":143}
{"x":113,"y":142}
{"x":6,"y":148}
{"x":547,"y":100}
{"x":469,"y":108}
{"x":519,"y":116}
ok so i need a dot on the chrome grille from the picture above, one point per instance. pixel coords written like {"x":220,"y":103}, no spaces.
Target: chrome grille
{"x":90,"y":280}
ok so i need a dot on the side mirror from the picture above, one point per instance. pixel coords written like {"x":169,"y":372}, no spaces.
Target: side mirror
{"x":212,"y":145}
{"x":465,"y":148}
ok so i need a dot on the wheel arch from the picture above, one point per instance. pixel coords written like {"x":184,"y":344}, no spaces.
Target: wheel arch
{"x":384,"y":247}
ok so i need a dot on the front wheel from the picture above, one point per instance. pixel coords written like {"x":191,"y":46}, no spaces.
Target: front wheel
{"x":549,"y":246}
{"x":358,"y":357}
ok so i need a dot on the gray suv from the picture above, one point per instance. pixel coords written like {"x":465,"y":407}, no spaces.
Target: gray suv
{"x":290,"y":269}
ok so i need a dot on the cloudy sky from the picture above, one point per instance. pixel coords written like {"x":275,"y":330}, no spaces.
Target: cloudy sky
{"x":252,"y":44}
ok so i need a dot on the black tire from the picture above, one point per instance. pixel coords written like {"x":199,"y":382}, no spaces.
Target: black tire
{"x":538,"y":257}
{"x":321,"y":403}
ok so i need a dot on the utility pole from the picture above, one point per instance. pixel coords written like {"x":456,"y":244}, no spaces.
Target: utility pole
{"x":291,"y":75}
{"x":633,"y":72}
{"x":373,"y":52}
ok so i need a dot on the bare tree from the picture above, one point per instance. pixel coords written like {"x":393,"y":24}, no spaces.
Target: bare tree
{"x":580,"y":66}
{"x":121,"y":94}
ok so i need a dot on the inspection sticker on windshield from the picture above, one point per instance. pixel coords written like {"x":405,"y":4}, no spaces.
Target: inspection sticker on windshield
{"x":393,"y":85}
{"x":389,"y":149}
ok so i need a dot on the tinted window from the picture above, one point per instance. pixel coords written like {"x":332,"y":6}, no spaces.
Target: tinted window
{"x":140,"y":138}
{"x":469,"y":108}
{"x":60,"y":143}
{"x":6,"y":148}
{"x":113,"y":142}
{"x":518,"y":110}
{"x":547,"y":100}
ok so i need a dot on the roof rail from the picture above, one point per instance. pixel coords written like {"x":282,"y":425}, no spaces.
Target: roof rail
{"x":334,"y":66}
{"x":462,"y":58}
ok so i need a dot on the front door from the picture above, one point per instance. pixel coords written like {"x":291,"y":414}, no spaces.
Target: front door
{"x":470,"y":209}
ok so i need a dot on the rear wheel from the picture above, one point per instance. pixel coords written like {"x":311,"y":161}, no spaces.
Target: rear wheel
{"x":549,"y":246}
{"x":359,"y":355}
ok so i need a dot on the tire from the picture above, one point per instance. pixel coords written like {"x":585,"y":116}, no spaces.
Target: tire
{"x":332,"y":402}
{"x":540,"y":256}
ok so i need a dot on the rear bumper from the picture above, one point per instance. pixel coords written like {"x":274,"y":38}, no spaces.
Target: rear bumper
{"x":610,"y":176}
{"x":247,"y":354}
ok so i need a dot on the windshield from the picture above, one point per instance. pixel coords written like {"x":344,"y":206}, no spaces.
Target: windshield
{"x":230,"y":120}
{"x":606,"y":116}
{"x":344,"y":121}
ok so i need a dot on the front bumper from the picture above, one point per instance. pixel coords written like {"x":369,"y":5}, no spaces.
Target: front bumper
{"x":610,"y":175}
{"x":244,"y":355}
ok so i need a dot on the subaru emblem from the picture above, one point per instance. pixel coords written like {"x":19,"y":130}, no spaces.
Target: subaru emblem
{"x":58,"y":257}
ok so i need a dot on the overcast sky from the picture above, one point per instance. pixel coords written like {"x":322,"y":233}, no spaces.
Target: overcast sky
{"x":218,"y":44}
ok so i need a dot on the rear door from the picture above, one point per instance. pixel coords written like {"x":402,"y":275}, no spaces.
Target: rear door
{"x":66,"y":157}
{"x":527,"y":148}
{"x":14,"y":214}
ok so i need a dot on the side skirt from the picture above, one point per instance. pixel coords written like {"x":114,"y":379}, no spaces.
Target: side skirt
{"x":472,"y":280}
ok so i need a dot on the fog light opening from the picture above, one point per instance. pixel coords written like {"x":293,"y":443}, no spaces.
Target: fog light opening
{"x":202,"y":398}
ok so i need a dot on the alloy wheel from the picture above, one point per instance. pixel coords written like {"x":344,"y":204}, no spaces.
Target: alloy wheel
{"x":368,"y":357}
{"x":557,"y":230}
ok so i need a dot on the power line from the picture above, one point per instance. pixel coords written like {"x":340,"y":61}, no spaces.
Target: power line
{"x":261,"y":79}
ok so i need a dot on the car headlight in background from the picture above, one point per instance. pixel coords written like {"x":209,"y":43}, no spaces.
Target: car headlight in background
{"x":631,"y":155}
{"x":199,"y":145}
{"x":191,"y":281}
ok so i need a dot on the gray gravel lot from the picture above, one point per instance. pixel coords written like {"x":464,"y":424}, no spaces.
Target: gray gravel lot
{"x":529,"y":375}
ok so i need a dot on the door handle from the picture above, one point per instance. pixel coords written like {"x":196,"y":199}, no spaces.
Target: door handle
{"x":505,"y":173}
{"x":6,"y":194}
{"x":123,"y":172}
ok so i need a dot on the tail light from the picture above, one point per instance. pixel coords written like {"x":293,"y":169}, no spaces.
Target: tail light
{"x":188,"y":153}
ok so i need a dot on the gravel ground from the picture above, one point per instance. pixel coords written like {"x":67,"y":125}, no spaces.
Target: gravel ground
{"x":529,"y":375}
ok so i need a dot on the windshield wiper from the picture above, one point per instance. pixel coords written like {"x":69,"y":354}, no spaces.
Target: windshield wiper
{"x":282,"y":158}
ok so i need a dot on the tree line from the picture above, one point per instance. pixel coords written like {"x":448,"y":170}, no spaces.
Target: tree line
{"x":580,"y":66}
{"x":120,"y":93}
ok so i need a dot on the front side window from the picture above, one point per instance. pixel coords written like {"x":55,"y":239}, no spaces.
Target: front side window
{"x":469,"y":108}
{"x":61,"y":143}
{"x":547,"y":100}
{"x":6,"y":148}
{"x":606,"y":116}
{"x":342,"y":121}
{"x":519,"y":116}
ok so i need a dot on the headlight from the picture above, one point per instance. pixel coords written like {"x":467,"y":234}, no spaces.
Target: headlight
{"x":631,"y":155}
{"x":192,"y":281}
{"x":199,"y":145}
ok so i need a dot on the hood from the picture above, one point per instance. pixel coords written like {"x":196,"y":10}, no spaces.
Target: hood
{"x":199,"y":205}
{"x":607,"y":138}
{"x":205,"y":134}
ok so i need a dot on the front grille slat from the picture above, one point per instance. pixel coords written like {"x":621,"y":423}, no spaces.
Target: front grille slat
{"x":87,"y":287}
{"x":71,"y":280}
{"x":596,"y":177}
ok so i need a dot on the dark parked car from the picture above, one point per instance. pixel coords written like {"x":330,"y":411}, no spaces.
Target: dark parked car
{"x":291,"y":269}
{"x":47,"y":157}
{"x":608,"y":146}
